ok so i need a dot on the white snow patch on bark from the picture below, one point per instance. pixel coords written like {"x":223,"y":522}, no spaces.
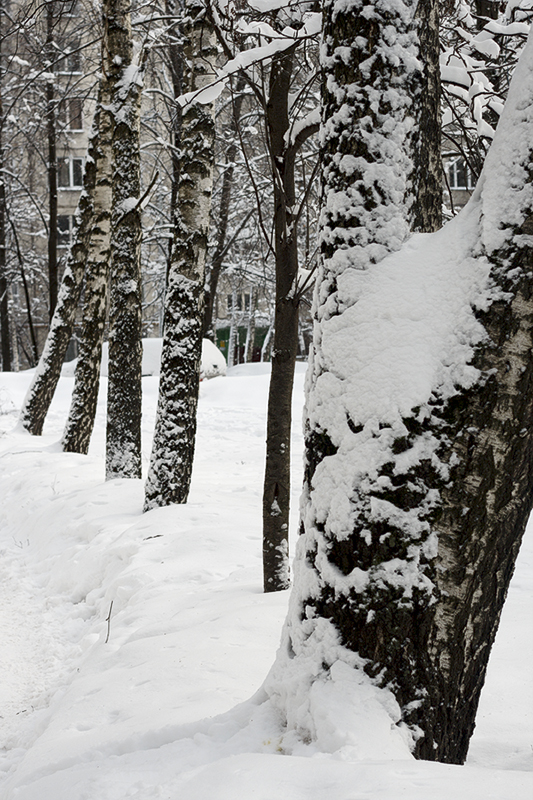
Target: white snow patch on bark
{"x":407,"y":326}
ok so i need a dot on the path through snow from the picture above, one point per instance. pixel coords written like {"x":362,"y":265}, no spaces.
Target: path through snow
{"x":192,"y":634}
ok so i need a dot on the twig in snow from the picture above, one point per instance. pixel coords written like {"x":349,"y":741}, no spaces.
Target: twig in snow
{"x":108,"y":620}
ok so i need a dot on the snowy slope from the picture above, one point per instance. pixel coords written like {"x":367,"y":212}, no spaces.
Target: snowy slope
{"x":124,"y":635}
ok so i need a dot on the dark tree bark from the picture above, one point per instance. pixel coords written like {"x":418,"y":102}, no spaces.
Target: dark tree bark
{"x":124,"y":396}
{"x":171,"y":462}
{"x":276,"y":490}
{"x":427,"y":210}
{"x":406,"y":556}
{"x":486,"y":8}
{"x":282,"y":151}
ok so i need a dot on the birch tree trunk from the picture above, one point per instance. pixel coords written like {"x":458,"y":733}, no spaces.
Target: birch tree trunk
{"x":173,"y":447}
{"x":219,"y":251}
{"x":427,"y":211}
{"x":15,"y":361}
{"x":44,"y":382}
{"x":250,"y":330}
{"x":411,"y":517}
{"x":174,"y":55}
{"x":233,"y":337}
{"x":266,"y":343}
{"x":124,"y":396}
{"x":4,"y":319}
{"x":5,"y":332}
{"x":78,"y":430}
{"x":51,"y":134}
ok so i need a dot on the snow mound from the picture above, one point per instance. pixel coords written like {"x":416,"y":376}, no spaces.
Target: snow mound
{"x":213,"y":361}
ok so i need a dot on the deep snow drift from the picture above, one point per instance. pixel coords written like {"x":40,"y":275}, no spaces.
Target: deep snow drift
{"x":124,"y":635}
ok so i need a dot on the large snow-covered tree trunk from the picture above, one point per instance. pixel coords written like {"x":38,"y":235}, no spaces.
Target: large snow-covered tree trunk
{"x":419,"y":443}
{"x":124,"y":395}
{"x":175,"y":431}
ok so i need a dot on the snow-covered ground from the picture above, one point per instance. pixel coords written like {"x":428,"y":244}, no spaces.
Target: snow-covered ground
{"x":131,"y":644}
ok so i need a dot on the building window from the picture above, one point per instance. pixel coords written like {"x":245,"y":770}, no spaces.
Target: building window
{"x":67,"y":8}
{"x":242,"y":302}
{"x":66,"y":224}
{"x":70,"y":114}
{"x":70,"y":173}
{"x":459,"y":176}
{"x":70,"y":62}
